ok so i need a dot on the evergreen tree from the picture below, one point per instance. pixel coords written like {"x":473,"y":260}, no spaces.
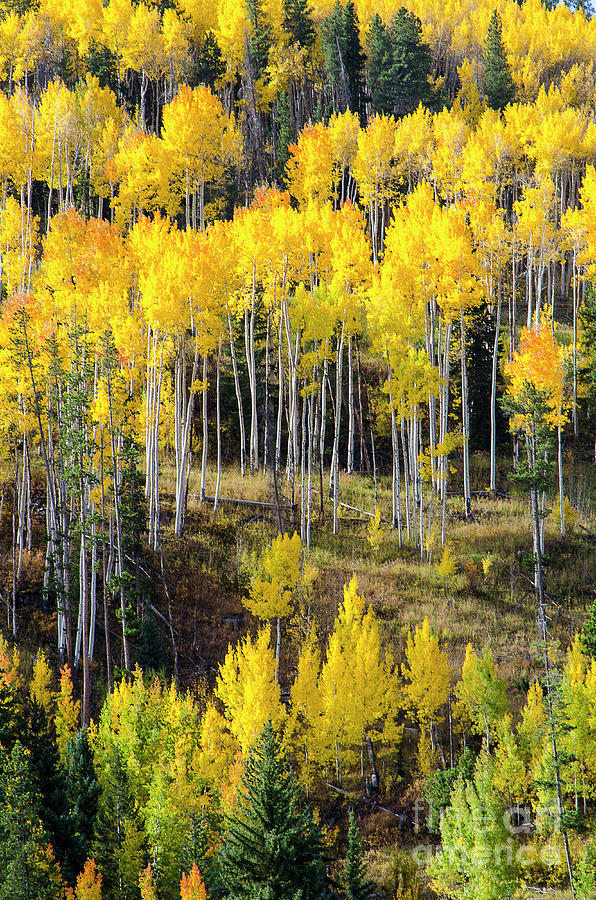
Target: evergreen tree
{"x":118,"y":838}
{"x":344,"y":59}
{"x":411,"y":63}
{"x":27,"y":867}
{"x":272,"y":848}
{"x":82,"y":793}
{"x":298,"y":22}
{"x":379,"y":69}
{"x":333,"y":45}
{"x":354,"y":880}
{"x":260,"y":36}
{"x":39,"y":740}
{"x":399,"y":65}
{"x":150,"y":650}
{"x":209,"y":64}
{"x":354,"y":60}
{"x":498,"y":83}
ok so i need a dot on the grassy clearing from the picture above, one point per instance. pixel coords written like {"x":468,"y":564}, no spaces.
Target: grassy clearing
{"x":495,"y":606}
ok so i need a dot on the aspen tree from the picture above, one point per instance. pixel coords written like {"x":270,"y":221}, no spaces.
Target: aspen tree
{"x":273,"y":596}
{"x":427,"y":675}
{"x":356,"y":685}
{"x":482,"y":692}
{"x":247,"y":687}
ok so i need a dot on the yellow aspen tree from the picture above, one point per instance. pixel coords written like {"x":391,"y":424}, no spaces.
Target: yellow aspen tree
{"x":57,"y":140}
{"x":427,"y":676}
{"x":217,"y":747}
{"x":482,"y":692}
{"x":40,"y":688}
{"x":309,"y":171}
{"x":272,"y":597}
{"x":375,"y":172}
{"x":303,"y":724}
{"x":343,"y":130}
{"x":147,"y":884}
{"x":192,"y":886}
{"x":357,"y":687}
{"x":68,"y":713}
{"x":511,"y":777}
{"x":200,"y":140}
{"x":88,"y":886}
{"x":247,"y":688}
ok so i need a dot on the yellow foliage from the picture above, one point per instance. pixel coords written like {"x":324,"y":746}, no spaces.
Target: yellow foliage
{"x":375,"y":532}
{"x":427,"y":674}
{"x":540,"y":364}
{"x":40,"y":688}
{"x":68,"y":712}
{"x":89,"y":883}
{"x":192,"y":886}
{"x":273,"y":596}
{"x":357,"y":686}
{"x":246,"y":686}
{"x":448,"y":564}
{"x":147,"y":884}
{"x":487,"y":564}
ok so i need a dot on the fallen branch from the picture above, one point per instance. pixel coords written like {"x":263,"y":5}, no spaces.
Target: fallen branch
{"x":238,"y":501}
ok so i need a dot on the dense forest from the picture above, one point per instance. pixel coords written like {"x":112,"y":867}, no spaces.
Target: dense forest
{"x":297,"y":450}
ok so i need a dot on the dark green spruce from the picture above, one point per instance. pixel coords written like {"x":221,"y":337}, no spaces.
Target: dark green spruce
{"x":272,"y":846}
{"x":354,"y":881}
{"x":498,"y":83}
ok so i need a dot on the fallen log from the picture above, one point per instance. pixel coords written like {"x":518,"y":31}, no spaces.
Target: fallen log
{"x":257,"y":504}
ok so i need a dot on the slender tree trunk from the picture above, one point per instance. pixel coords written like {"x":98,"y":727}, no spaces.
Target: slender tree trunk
{"x":465,"y":412}
{"x":493,"y":399}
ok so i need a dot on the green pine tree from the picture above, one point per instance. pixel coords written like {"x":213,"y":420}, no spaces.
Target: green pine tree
{"x":28,"y":870}
{"x":150,"y":649}
{"x":333,"y":45}
{"x":260,"y":36}
{"x":39,"y":741}
{"x":298,"y":22}
{"x":354,"y":880}
{"x":344,"y":59}
{"x":411,"y":63}
{"x":354,"y":60}
{"x":118,"y":845}
{"x":82,"y":794}
{"x":498,"y":83}
{"x":379,"y":68}
{"x":272,"y":847}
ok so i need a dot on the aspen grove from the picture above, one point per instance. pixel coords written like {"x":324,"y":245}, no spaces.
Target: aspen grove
{"x":254,"y":253}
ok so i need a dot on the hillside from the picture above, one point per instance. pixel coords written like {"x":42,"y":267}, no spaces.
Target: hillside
{"x":297,"y":450}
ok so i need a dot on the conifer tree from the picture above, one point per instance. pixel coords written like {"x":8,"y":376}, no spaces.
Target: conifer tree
{"x":298,"y":22}
{"x":260,"y":35}
{"x":272,"y":847}
{"x":82,"y":793}
{"x":399,"y":65}
{"x":379,"y":68}
{"x":498,"y":83}
{"x":118,"y":839}
{"x":411,"y":63}
{"x":27,"y":866}
{"x":344,"y":59}
{"x":354,"y":880}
